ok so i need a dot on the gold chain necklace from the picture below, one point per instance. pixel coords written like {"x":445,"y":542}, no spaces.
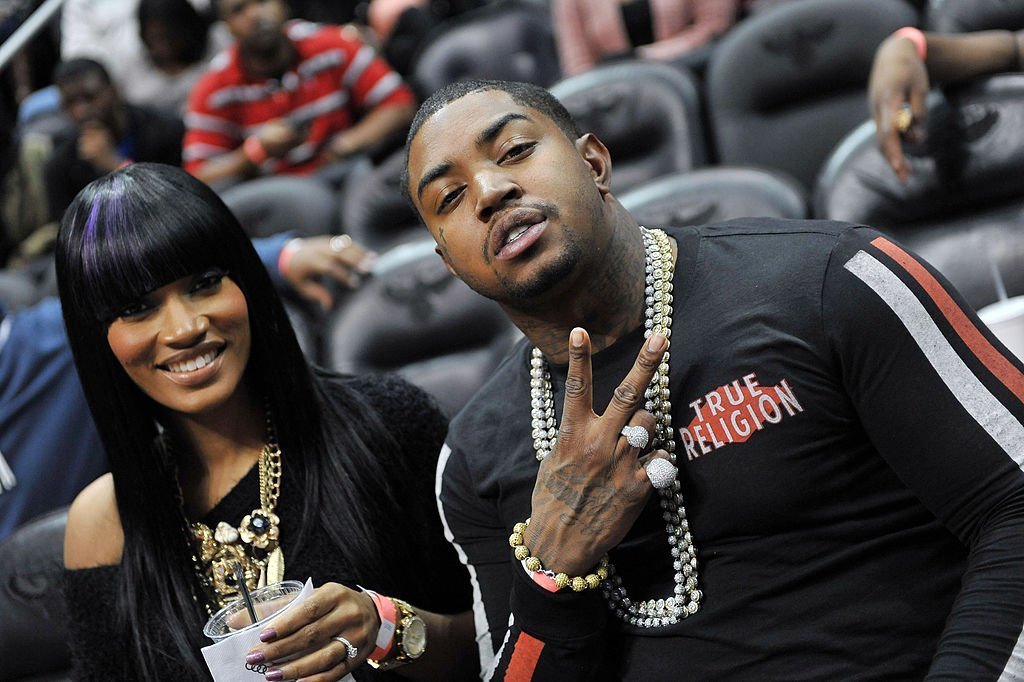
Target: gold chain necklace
{"x":254,"y":544}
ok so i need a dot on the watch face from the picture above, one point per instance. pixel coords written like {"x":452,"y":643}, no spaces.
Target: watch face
{"x":414,"y":637}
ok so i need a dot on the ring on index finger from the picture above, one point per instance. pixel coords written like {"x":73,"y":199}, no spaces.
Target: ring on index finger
{"x":340,"y":242}
{"x":350,"y":650}
{"x":636,"y":436}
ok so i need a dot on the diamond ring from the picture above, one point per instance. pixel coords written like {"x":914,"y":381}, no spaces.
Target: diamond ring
{"x":660,"y":472}
{"x":350,"y":651}
{"x":636,"y":436}
{"x":340,"y":242}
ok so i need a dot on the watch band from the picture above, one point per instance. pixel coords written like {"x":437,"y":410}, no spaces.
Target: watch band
{"x":405,"y":616}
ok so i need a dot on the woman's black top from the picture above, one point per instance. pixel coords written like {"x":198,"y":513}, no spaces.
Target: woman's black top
{"x":98,"y":647}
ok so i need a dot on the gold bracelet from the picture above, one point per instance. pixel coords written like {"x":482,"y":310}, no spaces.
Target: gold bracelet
{"x":577,"y":583}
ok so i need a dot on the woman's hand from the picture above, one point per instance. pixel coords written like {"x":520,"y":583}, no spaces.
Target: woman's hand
{"x":897,"y":89}
{"x":308,"y":633}
{"x":592,"y":486}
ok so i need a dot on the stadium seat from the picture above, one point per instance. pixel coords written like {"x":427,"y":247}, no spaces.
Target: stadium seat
{"x":645,"y":112}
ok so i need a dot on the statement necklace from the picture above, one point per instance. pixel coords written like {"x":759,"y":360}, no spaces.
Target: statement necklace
{"x":685,"y":600}
{"x":254,"y":544}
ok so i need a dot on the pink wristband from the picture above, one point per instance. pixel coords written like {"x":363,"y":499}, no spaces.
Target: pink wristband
{"x":542,"y":578}
{"x":254,"y":150}
{"x":915,"y":36}
{"x":388,"y":617}
{"x":284,"y":258}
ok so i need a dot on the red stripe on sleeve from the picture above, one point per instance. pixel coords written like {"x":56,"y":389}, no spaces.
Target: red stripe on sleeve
{"x":996,"y":362}
{"x":524,"y":658}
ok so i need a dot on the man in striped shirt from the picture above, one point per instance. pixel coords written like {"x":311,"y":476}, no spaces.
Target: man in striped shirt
{"x":289,"y":98}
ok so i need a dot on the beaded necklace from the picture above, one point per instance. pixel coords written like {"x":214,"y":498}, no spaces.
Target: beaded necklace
{"x":685,"y":600}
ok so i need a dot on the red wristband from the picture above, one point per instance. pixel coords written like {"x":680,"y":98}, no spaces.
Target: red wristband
{"x":284,"y":258}
{"x":388,"y":618}
{"x":254,"y":150}
{"x":545,"y":579}
{"x":915,"y":36}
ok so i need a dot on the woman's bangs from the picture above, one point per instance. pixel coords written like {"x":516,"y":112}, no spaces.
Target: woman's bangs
{"x":123,"y":258}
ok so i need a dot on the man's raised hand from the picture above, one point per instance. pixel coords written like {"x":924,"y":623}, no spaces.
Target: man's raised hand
{"x":593,"y":486}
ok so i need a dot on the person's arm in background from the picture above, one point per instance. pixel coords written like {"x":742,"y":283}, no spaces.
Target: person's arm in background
{"x":900,"y":78}
{"x":214,"y":148}
{"x":386,"y":102}
{"x":306,"y":263}
{"x":575,"y":55}
{"x":711,"y":18}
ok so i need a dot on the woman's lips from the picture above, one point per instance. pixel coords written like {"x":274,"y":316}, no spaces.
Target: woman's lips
{"x":196,"y":376}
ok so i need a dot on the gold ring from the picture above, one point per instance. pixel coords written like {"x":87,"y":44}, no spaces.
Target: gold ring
{"x":904,"y":119}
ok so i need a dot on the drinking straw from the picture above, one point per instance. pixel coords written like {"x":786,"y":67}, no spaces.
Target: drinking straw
{"x":244,"y":589}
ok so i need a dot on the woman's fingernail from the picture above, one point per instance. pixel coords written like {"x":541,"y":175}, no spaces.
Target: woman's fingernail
{"x":655,"y":343}
{"x":274,"y":675}
{"x":254,"y":657}
{"x":576,"y":337}
{"x":268,"y":635}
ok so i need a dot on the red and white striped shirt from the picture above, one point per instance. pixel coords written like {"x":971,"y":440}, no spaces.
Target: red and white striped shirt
{"x":335,"y":76}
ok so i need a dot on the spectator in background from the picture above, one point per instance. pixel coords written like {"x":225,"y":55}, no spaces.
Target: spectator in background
{"x":909,"y":61}
{"x":589,"y":31}
{"x":107,"y":132}
{"x":154,"y":50}
{"x":288,"y":99}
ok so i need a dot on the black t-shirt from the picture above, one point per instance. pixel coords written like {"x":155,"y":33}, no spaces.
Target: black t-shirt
{"x":849,"y":445}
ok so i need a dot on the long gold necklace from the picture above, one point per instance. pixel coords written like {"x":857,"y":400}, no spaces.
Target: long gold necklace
{"x":254,"y":544}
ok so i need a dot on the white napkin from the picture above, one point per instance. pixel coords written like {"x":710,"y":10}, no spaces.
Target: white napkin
{"x":226,"y":658}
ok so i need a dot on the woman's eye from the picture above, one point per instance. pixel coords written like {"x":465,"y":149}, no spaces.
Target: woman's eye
{"x":207,"y":281}
{"x":134,"y":311}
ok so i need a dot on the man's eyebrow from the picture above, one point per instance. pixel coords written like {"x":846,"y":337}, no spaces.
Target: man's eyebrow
{"x":485,"y":137}
{"x":491,"y":131}
{"x":431,"y":175}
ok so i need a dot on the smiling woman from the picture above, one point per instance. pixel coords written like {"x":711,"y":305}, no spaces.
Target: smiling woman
{"x":226,"y":449}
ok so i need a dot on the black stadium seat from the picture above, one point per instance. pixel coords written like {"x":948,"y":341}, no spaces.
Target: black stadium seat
{"x":786,"y":84}
{"x":714,"y":194}
{"x":646,"y":113}
{"x":961,"y":208}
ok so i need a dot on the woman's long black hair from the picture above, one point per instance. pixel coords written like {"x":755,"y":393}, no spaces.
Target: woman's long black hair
{"x":124,"y":235}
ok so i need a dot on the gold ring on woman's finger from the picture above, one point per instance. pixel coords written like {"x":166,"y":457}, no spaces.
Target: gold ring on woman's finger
{"x":350,"y":650}
{"x":636,"y":436}
{"x":340,"y":242}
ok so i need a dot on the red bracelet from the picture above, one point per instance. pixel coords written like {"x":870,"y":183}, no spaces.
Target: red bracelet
{"x":915,"y":36}
{"x":284,"y":258}
{"x":388,"y":618}
{"x":544,"y":578}
{"x":254,"y":150}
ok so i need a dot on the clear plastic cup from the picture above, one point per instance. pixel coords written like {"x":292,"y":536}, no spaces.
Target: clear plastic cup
{"x":267,"y":601}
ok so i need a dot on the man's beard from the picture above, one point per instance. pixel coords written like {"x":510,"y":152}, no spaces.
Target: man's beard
{"x":524,"y":295}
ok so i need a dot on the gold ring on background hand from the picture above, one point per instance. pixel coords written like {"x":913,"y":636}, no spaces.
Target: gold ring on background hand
{"x":904,"y":119}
